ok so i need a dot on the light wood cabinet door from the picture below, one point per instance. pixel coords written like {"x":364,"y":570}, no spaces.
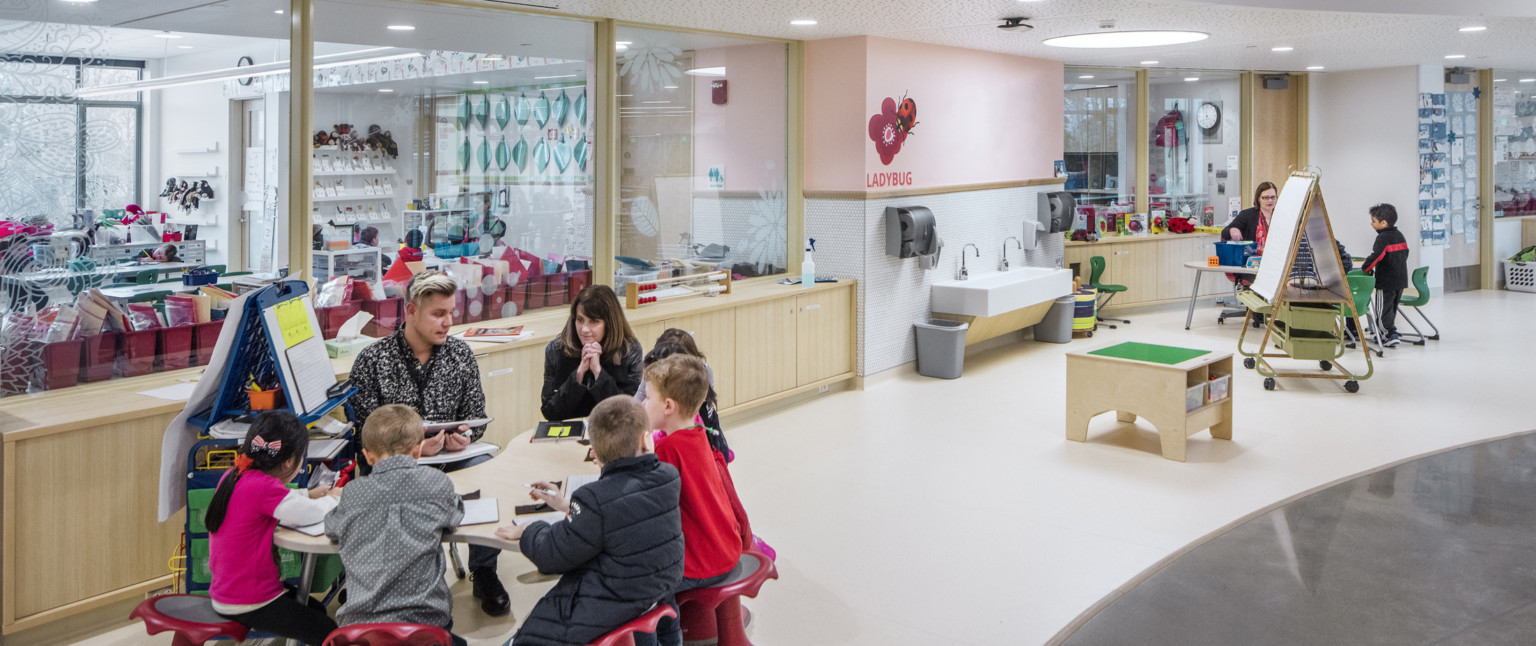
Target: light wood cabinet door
{"x":715,"y":334}
{"x":765,"y":349}
{"x":823,"y":324}
{"x":1175,"y":280}
{"x":647,"y":332}
{"x":512,"y":382}
{"x":1078,"y":255}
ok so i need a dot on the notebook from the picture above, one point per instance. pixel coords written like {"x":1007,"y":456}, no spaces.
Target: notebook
{"x":479,"y":512}
{"x":559,"y":431}
{"x":474,"y":449}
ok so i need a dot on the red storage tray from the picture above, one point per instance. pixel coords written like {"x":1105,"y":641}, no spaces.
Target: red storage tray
{"x":332,"y":318}
{"x":137,"y":356}
{"x":496,"y":305}
{"x":175,"y":347}
{"x":97,"y":356}
{"x":61,"y":364}
{"x":578,"y":281}
{"x":538,"y":288}
{"x":204,"y":337}
{"x":555,"y":290}
{"x":517,"y":296}
{"x":386,"y":316}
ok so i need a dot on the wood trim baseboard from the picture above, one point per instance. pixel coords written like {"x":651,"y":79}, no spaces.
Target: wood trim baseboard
{"x":83,"y":605}
{"x":935,"y":190}
{"x":769,"y":399}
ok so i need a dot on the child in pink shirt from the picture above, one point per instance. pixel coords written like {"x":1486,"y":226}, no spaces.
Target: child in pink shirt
{"x":245,"y":510}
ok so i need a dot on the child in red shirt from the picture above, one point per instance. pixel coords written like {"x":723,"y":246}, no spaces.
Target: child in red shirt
{"x":715,"y":526}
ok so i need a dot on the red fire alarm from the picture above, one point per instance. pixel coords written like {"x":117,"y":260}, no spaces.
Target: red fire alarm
{"x":717,"y":91}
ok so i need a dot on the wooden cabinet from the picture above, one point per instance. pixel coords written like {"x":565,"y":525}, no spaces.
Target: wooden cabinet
{"x":715,"y":334}
{"x":513,"y":381}
{"x":823,"y":324}
{"x":765,"y":349}
{"x":1152,"y":270}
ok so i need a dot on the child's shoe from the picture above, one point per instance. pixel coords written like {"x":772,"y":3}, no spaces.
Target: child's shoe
{"x":1392,"y":340}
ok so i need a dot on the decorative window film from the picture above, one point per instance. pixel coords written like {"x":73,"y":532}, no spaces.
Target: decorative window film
{"x":1194,"y":149}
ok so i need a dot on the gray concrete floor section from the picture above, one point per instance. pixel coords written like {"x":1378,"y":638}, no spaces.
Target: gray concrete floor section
{"x":1438,"y":550}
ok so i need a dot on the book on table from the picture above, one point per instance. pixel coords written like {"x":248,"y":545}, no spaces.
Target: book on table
{"x":574,"y":429}
{"x":493,"y":332}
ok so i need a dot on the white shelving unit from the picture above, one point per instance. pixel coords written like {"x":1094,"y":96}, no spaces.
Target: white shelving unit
{"x":336,"y":166}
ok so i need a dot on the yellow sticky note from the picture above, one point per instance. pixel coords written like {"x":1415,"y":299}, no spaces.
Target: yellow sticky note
{"x":293,"y":320}
{"x":559,"y":431}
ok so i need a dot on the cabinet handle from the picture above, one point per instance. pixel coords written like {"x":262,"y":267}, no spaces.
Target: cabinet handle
{"x":482,"y":356}
{"x":1121,"y":253}
{"x":497,"y":373}
{"x":812,"y":307}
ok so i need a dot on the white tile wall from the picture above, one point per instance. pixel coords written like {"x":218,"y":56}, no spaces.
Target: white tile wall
{"x":894,"y":293}
{"x":732,"y":221}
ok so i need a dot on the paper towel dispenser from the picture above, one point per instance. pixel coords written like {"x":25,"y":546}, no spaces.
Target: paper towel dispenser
{"x":1056,"y":211}
{"x":910,"y":232}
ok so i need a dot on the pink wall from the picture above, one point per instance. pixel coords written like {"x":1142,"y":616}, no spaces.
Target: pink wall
{"x":747,"y":133}
{"x":981,"y":117}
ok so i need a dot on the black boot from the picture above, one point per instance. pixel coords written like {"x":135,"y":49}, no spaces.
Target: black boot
{"x":493,"y":597}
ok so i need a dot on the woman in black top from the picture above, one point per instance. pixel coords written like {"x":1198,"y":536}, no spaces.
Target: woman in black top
{"x":596,"y":357}
{"x":1246,"y":225}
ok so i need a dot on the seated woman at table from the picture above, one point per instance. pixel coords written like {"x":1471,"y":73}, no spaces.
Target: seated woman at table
{"x":596,"y":357}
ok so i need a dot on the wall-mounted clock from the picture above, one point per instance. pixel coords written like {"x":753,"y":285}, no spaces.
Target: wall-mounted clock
{"x":1208,"y":117}
{"x":245,"y":61}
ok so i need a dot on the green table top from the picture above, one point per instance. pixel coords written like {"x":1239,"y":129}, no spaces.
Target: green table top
{"x":1164,"y":354}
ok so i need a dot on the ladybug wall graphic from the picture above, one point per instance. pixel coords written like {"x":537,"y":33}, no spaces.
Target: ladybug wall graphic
{"x":889,"y":127}
{"x":906,"y":115}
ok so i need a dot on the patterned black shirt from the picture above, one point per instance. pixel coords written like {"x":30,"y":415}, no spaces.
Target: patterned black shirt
{"x":444,"y":389}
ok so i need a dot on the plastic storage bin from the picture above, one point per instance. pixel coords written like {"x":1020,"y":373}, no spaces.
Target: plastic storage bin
{"x":97,"y":355}
{"x":138,"y":353}
{"x":332,"y":318}
{"x":1056,"y":327}
{"x":204,"y":337}
{"x":1520,"y":276}
{"x":941,"y":348}
{"x":1194,"y":397}
{"x":1234,"y":254}
{"x":61,"y":364}
{"x":1218,"y":388}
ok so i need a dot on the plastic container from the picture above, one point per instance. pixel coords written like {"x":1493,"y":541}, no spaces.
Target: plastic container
{"x":558,"y":292}
{"x":332,"y":318}
{"x":175,"y":347}
{"x":137,"y":356}
{"x":1520,"y":276}
{"x":263,"y":399}
{"x":1056,"y":327}
{"x":97,"y":355}
{"x":61,"y":364}
{"x":626,"y":275}
{"x":386,"y":316}
{"x":1085,"y":310}
{"x":1194,"y":397}
{"x":1234,"y":254}
{"x":204,"y":337}
{"x":1217,"y":388}
{"x":580,"y":278}
{"x":941,"y":348}
{"x":537,"y":290}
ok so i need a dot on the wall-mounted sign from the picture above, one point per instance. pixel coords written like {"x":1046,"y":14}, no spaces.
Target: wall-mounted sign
{"x":889,"y":127}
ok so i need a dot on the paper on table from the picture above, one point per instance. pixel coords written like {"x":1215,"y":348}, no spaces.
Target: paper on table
{"x":178,"y":392}
{"x":474,"y":449}
{"x":479,"y":512}
{"x":572,"y":483}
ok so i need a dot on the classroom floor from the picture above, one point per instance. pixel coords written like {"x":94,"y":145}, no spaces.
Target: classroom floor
{"x":924,"y":511}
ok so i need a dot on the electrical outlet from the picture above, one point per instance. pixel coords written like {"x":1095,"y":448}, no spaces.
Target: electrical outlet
{"x":822,"y":390}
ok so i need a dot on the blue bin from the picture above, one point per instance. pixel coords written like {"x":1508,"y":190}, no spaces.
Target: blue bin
{"x":1234,"y":254}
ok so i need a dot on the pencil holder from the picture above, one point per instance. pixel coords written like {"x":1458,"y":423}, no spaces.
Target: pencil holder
{"x":263,"y":399}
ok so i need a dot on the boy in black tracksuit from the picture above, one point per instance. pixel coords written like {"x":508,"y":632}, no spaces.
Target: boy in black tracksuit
{"x":619,"y":551}
{"x":1389,"y":263}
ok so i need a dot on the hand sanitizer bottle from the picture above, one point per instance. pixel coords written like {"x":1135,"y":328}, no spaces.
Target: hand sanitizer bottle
{"x":808,"y":266}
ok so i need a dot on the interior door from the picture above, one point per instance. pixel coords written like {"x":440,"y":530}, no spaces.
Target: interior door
{"x":250,"y":233}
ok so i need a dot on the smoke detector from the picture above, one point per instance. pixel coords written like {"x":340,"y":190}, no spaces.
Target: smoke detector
{"x":1015,"y":23}
{"x":1106,"y":24}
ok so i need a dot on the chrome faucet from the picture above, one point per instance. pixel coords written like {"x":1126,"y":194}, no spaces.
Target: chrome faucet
{"x":1003,"y":266}
{"x":963,"y":273}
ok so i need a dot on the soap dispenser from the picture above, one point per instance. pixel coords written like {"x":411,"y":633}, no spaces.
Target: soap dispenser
{"x":808,"y":266}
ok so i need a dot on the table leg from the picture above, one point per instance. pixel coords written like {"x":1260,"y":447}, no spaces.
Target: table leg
{"x":1190,"y":317}
{"x":306,"y":576}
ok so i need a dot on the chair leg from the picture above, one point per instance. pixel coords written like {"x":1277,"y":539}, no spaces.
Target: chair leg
{"x":458,"y":565}
{"x":1100,"y":307}
{"x":1417,"y":337}
{"x":1436,"y":335}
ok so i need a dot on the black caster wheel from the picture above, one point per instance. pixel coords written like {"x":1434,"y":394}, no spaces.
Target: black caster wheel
{"x":1221,"y":321}
{"x":1269,"y":383}
{"x":1325,"y":365}
{"x":1249,"y":363}
{"x":1352,"y":386}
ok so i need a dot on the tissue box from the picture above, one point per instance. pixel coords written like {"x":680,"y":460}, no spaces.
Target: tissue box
{"x":338,"y":348}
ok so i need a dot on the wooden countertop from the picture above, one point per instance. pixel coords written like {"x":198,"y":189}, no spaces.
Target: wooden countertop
{"x":118,"y":400}
{"x":1151,"y":237}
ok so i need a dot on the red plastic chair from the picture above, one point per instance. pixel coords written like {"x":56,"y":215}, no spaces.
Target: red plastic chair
{"x":715,"y":613}
{"x":625,"y":635}
{"x":389,"y":635}
{"x":190,"y":616}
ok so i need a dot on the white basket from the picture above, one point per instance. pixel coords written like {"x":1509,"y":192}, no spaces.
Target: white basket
{"x":1520,"y":276}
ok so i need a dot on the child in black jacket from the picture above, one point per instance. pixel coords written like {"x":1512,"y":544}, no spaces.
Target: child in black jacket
{"x":619,"y":551}
{"x":1389,"y":263}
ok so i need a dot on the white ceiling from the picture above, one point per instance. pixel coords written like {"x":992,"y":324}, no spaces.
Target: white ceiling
{"x":1365,"y":34}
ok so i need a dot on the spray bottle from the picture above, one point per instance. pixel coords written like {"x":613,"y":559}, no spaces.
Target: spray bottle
{"x":808,"y":266}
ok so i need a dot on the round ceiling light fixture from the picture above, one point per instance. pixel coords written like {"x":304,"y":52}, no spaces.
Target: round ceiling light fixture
{"x":1016,"y":22}
{"x":1472,"y":29}
{"x":1110,"y":39}
{"x":1149,"y":62}
{"x":1315,"y":68}
{"x":803,"y":22}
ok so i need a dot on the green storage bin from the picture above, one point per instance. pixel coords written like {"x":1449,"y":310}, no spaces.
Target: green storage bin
{"x":290,"y":564}
{"x":1307,"y":345}
{"x":1310,"y":316}
{"x":197,"y":510}
{"x":197,"y":561}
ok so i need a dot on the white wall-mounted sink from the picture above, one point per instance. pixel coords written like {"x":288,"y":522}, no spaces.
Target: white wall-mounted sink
{"x":994,"y":293}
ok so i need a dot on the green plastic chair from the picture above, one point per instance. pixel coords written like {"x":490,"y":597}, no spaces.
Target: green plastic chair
{"x":1361,"y":287}
{"x":149,"y":297}
{"x":236,"y":273}
{"x":218,"y":268}
{"x":147,"y":277}
{"x":1096,"y":271}
{"x":1420,"y":298}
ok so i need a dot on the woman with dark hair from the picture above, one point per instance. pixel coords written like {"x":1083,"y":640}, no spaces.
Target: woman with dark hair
{"x":1253,"y":223}
{"x":596,"y":357}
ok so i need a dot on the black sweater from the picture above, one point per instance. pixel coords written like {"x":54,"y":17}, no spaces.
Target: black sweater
{"x":619,"y":552}
{"x":565,"y":398}
{"x":1389,"y":259}
{"x":1246,"y":222}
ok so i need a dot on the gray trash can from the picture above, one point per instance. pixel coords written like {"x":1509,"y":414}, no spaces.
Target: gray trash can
{"x":940,"y":348}
{"x":1056,"y":327}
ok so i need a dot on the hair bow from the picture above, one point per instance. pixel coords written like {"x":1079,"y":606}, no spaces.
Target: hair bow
{"x":258,"y":444}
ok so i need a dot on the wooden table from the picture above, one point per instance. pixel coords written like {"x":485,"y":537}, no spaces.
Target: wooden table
{"x":502,"y":478}
{"x":127,"y":292}
{"x":1098,"y":384}
{"x":1200,"y":269}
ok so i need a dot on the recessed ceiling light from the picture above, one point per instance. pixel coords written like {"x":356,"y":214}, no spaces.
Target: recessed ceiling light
{"x":1281,"y":49}
{"x":385,"y":89}
{"x":558,"y":76}
{"x":1086,"y":76}
{"x":492,"y":57}
{"x":278,"y":12}
{"x":183,"y":47}
{"x":623,"y":42}
{"x":403,"y":27}
{"x":706,"y":71}
{"x":655,"y":101}
{"x":482,"y":82}
{"x":1149,"y":62}
{"x":669,"y":87}
{"x":1315,"y":67}
{"x":79,"y":1}
{"x":166,"y":34}
{"x":619,"y":47}
{"x":1456,"y":56}
{"x":1127,"y":39}
{"x":804,"y":22}
{"x":1191,"y":78}
{"x":1475,"y":28}
{"x":1499,"y":80}
{"x":1528,"y":80}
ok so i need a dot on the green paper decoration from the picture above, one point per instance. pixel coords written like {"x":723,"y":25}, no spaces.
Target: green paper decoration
{"x":581,"y":108}
{"x":562,"y":107}
{"x":503,"y":113}
{"x":540,"y":155}
{"x":520,"y":154}
{"x":521,"y":110}
{"x":541,"y":110}
{"x":581,"y":153}
{"x":503,"y":155}
{"x":464,"y":113}
{"x":483,"y":154}
{"x":464,"y":155}
{"x":483,"y":110}
{"x":562,"y":154}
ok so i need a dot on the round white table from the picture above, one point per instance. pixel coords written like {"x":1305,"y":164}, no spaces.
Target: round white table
{"x":1200,"y":269}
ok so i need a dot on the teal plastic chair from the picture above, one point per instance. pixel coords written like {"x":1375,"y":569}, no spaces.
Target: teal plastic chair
{"x":1361,"y":287}
{"x":147,"y":277}
{"x":1420,"y":298}
{"x":149,"y":297}
{"x":235,"y":273}
{"x":218,"y":268}
{"x":1096,"y":271}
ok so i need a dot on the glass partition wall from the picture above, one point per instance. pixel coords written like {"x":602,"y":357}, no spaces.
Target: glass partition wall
{"x":1194,"y":144}
{"x":1100,"y":150}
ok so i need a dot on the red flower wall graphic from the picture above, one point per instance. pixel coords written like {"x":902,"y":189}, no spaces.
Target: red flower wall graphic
{"x":890,"y":127}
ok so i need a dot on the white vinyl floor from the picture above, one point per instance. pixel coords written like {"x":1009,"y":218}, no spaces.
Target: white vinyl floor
{"x":924,"y":511}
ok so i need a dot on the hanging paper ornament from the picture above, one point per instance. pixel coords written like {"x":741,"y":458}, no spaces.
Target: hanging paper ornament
{"x":540,"y":155}
{"x":581,"y":108}
{"x":464,"y":155}
{"x":520,"y":154}
{"x":581,"y":153}
{"x":464,"y":113}
{"x":562,"y":154}
{"x":562,"y":106}
{"x":483,"y":110}
{"x":483,"y":154}
{"x":521,"y":110}
{"x":503,"y":112}
{"x":541,"y":110}
{"x":503,"y":155}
